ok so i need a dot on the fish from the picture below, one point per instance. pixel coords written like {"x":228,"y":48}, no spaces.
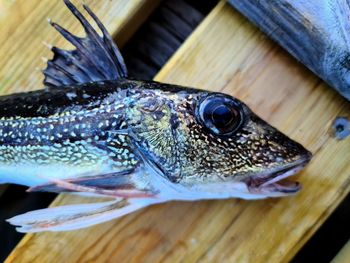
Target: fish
{"x":92,"y":130}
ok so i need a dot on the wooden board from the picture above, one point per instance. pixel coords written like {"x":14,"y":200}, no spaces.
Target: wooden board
{"x":226,"y":53}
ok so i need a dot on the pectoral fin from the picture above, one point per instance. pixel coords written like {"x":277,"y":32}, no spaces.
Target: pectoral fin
{"x":112,"y":185}
{"x":65,"y":218}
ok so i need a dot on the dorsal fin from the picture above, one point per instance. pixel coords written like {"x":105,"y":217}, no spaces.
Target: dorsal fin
{"x":95,"y":58}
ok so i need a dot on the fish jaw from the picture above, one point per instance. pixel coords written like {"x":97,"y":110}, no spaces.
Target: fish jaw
{"x":270,"y":183}
{"x":274,"y":183}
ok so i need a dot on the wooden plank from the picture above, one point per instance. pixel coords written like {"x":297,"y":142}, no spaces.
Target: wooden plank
{"x":226,"y":53}
{"x":344,"y":254}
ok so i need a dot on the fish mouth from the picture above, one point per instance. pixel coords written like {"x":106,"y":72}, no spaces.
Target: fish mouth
{"x":274,"y":182}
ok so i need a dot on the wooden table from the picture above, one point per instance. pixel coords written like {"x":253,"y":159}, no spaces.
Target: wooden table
{"x":225,"y":53}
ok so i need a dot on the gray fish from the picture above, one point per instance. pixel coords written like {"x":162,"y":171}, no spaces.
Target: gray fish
{"x":94,"y":131}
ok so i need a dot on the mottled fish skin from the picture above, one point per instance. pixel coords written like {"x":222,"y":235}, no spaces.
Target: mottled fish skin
{"x":164,"y":120}
{"x":71,"y":126}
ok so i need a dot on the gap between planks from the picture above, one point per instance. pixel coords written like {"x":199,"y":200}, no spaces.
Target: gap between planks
{"x":227,"y":53}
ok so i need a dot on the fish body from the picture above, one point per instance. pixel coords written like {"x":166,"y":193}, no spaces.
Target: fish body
{"x":63,"y":133}
{"x":92,"y":130}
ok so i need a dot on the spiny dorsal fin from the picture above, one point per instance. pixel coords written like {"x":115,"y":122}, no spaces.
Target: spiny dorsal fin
{"x":95,"y":58}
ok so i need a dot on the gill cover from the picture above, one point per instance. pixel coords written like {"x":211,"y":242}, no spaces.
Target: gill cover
{"x":156,"y":134}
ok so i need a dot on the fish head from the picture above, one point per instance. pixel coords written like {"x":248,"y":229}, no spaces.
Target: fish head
{"x":212,"y":145}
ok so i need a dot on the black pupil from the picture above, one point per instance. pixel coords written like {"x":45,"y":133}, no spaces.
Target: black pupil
{"x":223,"y":117}
{"x":220,"y":114}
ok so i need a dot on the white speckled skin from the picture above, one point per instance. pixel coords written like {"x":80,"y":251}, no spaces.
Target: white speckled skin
{"x":66,"y":139}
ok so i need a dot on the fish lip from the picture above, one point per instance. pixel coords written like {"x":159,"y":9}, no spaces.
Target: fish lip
{"x":274,"y":183}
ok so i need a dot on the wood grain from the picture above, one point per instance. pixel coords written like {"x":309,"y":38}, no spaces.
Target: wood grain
{"x":226,"y":53}
{"x":315,"y":32}
{"x":344,"y":254}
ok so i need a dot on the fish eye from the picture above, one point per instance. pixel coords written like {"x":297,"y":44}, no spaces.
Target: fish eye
{"x":220,"y":114}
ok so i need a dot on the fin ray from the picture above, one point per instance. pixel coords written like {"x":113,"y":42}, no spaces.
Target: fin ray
{"x":113,"y":49}
{"x":110,"y":185}
{"x":72,"y":217}
{"x":96,"y":58}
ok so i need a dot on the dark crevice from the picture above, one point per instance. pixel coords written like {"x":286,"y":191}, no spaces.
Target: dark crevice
{"x":163,"y":33}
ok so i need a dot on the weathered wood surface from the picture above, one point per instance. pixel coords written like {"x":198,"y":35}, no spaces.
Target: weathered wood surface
{"x":226,"y":53}
{"x":315,"y":32}
{"x":344,"y":254}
